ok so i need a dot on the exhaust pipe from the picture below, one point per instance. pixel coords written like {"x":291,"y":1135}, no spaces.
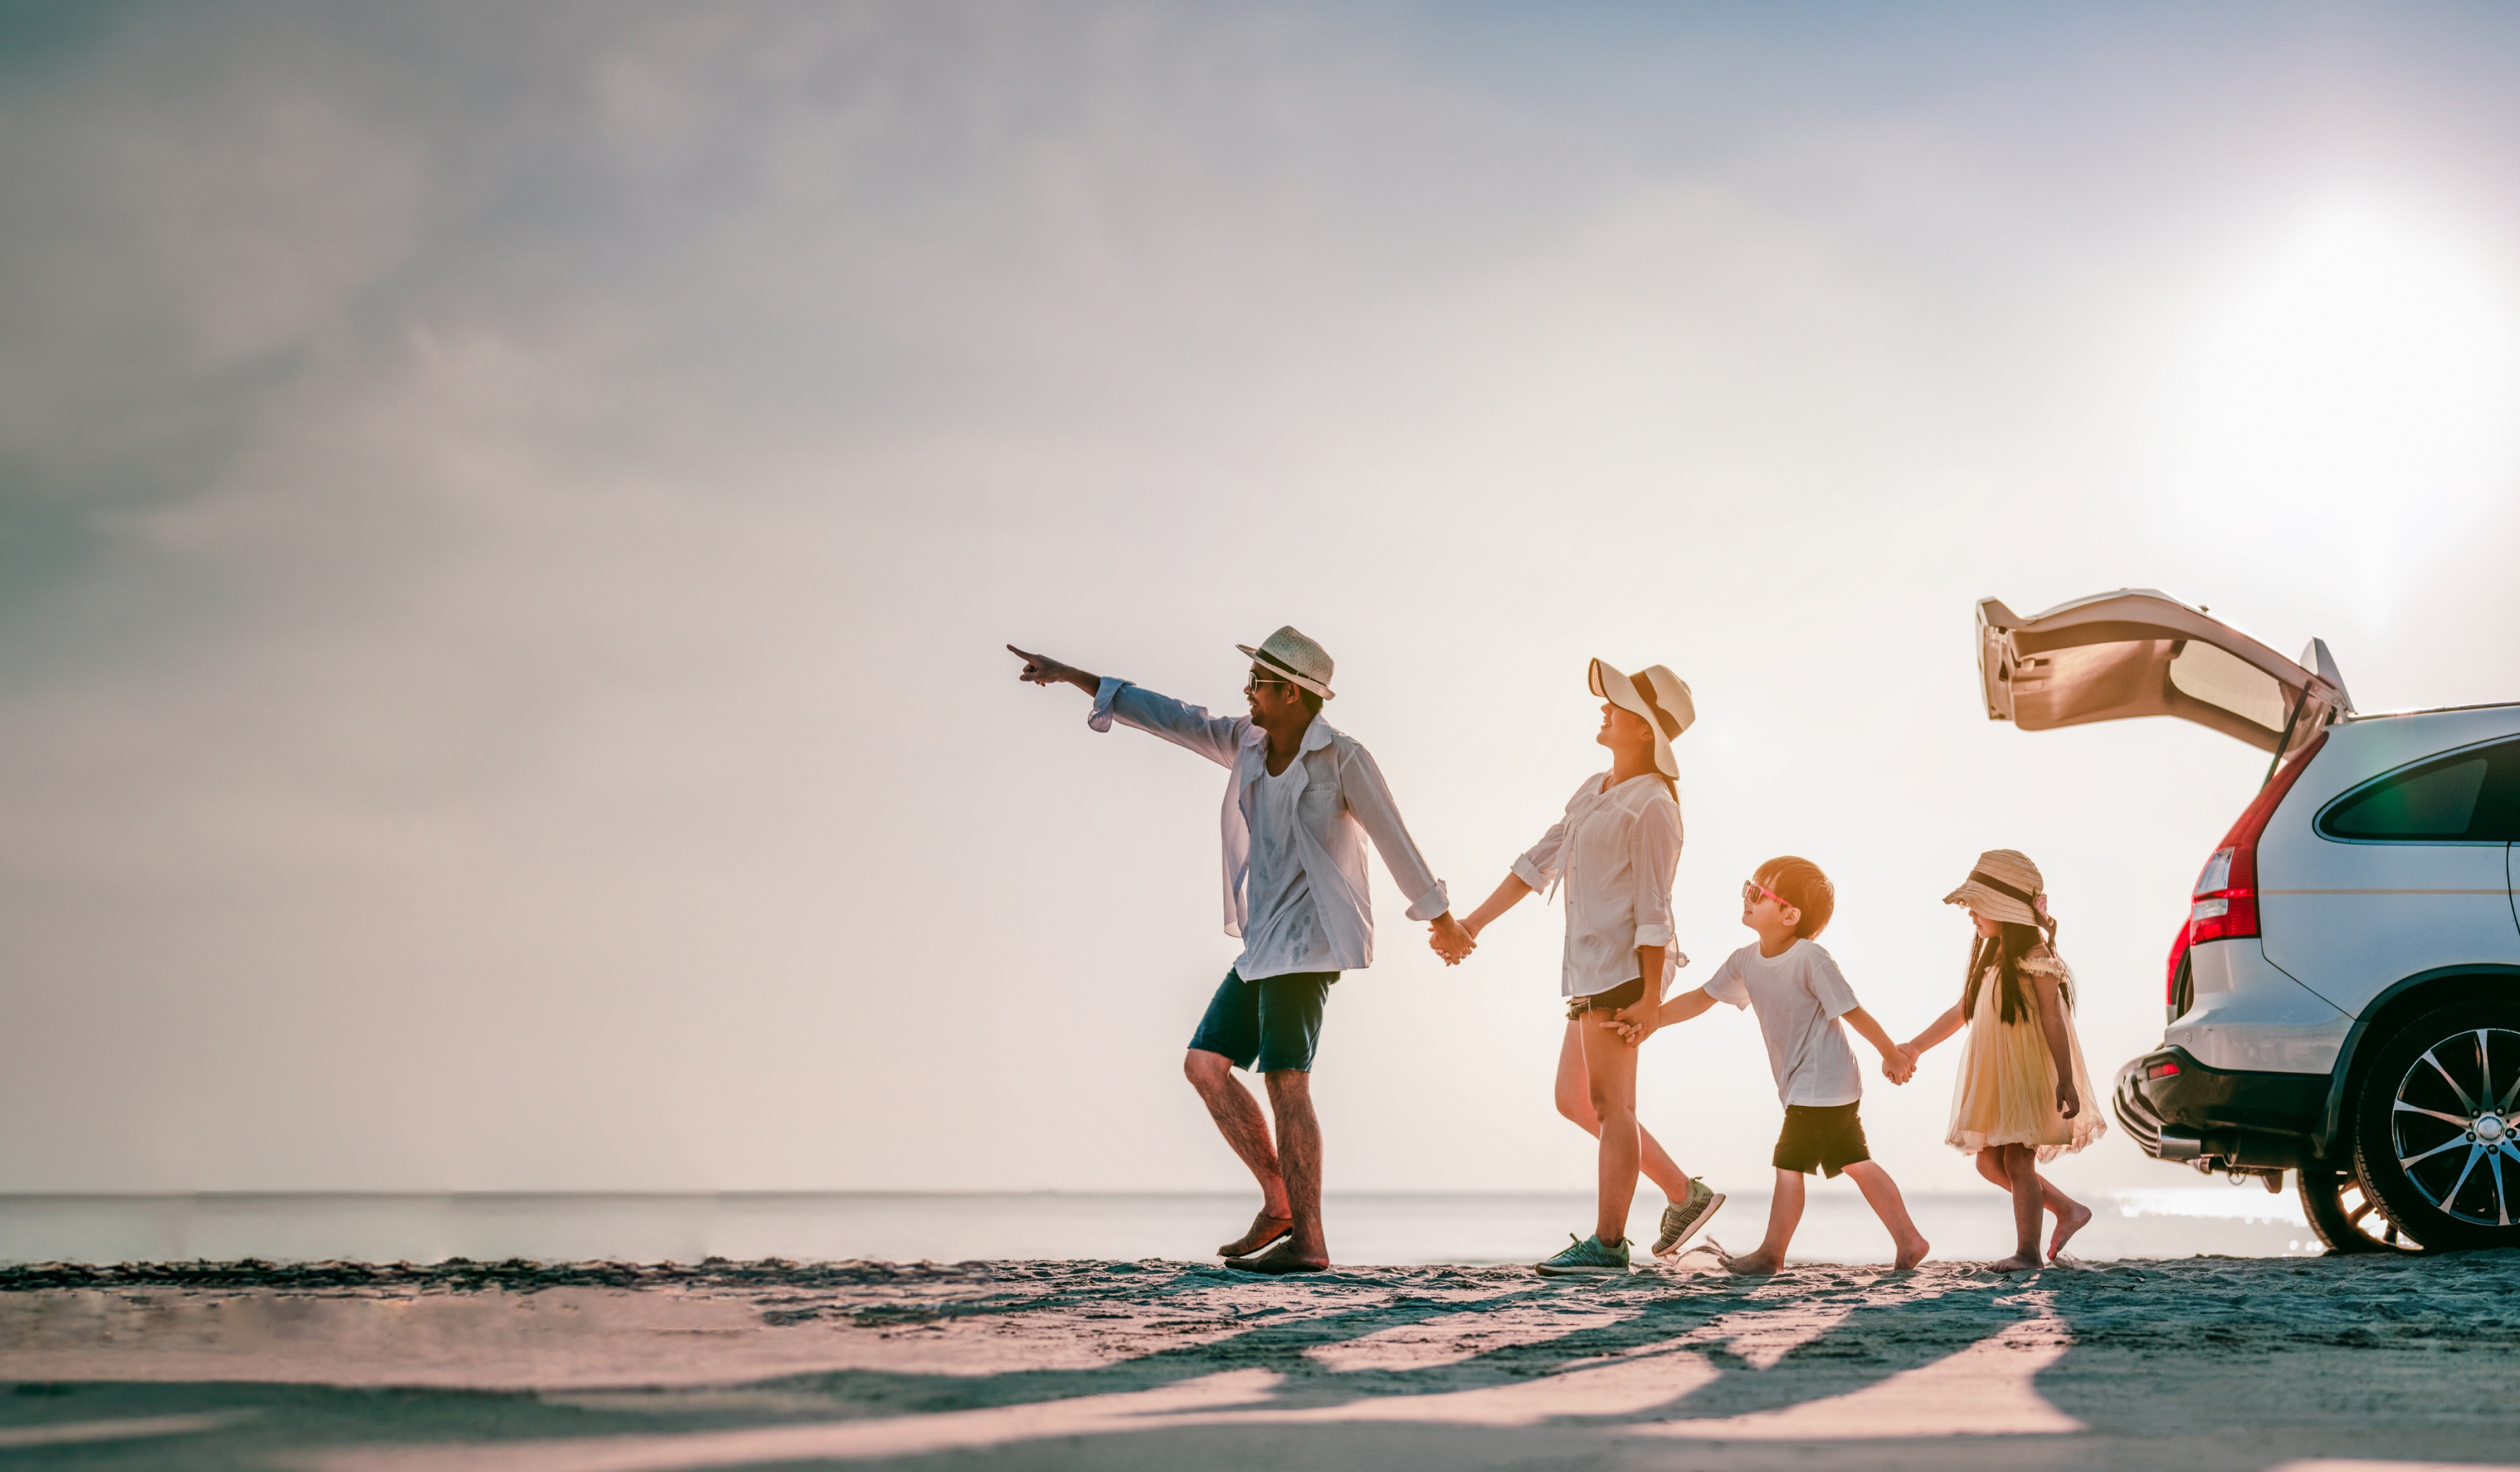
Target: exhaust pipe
{"x":2178,"y":1145}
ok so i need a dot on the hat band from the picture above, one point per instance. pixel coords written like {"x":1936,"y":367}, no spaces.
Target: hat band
{"x":2026,"y":897}
{"x":1669,"y":723}
{"x":1265,"y":655}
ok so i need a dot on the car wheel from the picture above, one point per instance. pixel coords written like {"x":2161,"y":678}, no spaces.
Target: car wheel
{"x":2436,"y":1139}
{"x":2345,"y":1215}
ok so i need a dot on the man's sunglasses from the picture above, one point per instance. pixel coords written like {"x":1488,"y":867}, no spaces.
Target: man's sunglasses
{"x":1258,"y":679}
{"x":1752,"y":890}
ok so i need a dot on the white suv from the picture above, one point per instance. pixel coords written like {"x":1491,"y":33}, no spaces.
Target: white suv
{"x":2345,"y":996}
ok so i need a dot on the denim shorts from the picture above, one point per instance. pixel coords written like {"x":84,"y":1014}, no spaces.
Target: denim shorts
{"x":1272,"y":1025}
{"x":1617,"y":999}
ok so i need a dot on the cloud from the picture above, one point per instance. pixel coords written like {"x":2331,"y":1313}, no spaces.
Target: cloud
{"x":505,"y":524}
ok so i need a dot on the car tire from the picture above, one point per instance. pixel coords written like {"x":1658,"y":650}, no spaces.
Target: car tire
{"x":2346,"y":1217}
{"x":2434,"y":1140}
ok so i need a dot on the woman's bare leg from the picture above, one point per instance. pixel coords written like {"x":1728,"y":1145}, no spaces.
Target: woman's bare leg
{"x":1575,"y":1101}
{"x":1610,"y":1070}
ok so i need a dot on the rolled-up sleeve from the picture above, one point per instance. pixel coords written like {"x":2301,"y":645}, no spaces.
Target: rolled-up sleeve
{"x":1654,"y":858}
{"x":1219,"y":739}
{"x":1539,"y":865}
{"x":1104,"y":695}
{"x":1368,"y":797}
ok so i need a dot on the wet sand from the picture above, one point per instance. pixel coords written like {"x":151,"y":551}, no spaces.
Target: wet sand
{"x":608,"y":1367}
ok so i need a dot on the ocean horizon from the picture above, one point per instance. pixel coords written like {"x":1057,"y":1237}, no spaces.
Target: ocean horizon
{"x":1387,"y":1229}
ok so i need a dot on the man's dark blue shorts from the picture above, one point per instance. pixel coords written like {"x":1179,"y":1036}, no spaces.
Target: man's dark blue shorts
{"x":1267,"y":1026}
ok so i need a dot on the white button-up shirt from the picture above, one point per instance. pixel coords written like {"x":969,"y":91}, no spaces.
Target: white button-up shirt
{"x":1294,"y":843}
{"x":1617,"y":851}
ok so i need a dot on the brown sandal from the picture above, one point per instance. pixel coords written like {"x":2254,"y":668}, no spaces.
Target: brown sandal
{"x":1265,"y":1229}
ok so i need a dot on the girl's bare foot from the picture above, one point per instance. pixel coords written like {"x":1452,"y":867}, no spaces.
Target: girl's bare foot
{"x":1911,"y":1254}
{"x":2067,"y":1224}
{"x":1749,"y":1264}
{"x":2020,"y":1261}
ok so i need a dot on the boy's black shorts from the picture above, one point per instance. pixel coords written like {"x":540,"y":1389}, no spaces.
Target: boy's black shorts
{"x":1822,"y":1138}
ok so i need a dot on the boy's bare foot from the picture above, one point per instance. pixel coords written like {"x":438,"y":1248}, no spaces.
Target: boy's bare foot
{"x":1911,"y":1254}
{"x":2020,"y":1261}
{"x":2066,"y":1227}
{"x":1751,"y":1264}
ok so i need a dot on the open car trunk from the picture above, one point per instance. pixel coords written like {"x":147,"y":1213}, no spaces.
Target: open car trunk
{"x":2139,"y":652}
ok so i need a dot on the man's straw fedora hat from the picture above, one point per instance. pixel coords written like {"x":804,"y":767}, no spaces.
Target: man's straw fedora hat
{"x":1292,"y":656}
{"x":1657,"y":694}
{"x":2004,"y":886}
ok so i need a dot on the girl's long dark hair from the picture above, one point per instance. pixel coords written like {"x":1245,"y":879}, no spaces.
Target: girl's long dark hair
{"x":2003,"y":951}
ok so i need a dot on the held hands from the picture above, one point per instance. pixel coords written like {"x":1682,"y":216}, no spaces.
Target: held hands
{"x":1899,"y":1065}
{"x":1450,"y":940}
{"x":1634,"y":1022}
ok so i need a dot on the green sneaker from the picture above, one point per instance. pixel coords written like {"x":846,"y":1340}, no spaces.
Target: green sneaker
{"x":1682,"y":1220}
{"x":1590,"y":1257}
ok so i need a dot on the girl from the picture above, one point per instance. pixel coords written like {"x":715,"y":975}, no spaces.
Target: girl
{"x":2023,"y":1094}
{"x":1616,"y":849}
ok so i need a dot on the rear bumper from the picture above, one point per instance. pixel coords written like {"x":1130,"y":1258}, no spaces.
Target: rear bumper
{"x":2217,"y":1118}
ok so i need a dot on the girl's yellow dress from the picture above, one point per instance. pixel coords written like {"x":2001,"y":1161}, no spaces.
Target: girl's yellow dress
{"x":2007,"y":1085}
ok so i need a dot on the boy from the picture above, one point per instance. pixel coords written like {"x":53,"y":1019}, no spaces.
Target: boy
{"x":1800,"y":997}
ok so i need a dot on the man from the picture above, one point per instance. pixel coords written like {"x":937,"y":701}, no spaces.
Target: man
{"x":1301,"y":802}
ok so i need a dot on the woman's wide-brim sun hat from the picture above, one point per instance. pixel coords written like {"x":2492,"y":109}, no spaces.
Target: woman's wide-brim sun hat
{"x":1655,"y":693}
{"x":2004,"y":886}
{"x":1294,"y":657}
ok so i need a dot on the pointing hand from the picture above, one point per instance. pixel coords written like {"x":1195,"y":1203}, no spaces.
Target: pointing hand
{"x":1040,"y":669}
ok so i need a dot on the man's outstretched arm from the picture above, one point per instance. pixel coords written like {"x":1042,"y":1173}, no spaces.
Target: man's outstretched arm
{"x":1190,"y":727}
{"x":1041,"y":669}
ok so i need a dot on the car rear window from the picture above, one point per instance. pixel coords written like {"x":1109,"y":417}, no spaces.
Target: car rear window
{"x":2227,"y":682}
{"x":2471,"y":796}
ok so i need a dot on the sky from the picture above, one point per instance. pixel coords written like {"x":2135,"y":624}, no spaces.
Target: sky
{"x":509,"y":521}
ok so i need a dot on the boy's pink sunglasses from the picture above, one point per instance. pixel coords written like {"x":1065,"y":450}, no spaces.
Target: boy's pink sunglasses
{"x":1752,"y":889}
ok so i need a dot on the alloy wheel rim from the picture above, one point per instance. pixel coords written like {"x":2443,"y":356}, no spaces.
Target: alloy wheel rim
{"x":2358,"y":1210}
{"x":2455,"y":1129}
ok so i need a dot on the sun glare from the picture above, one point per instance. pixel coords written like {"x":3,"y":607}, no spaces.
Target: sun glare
{"x":2352,"y":397}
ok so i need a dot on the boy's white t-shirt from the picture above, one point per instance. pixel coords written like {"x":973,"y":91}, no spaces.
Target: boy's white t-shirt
{"x":1799,"y":995}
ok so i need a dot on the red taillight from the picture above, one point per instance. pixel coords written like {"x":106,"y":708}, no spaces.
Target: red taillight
{"x":2161,"y":1071}
{"x":2170,"y":985}
{"x":2225,"y":902}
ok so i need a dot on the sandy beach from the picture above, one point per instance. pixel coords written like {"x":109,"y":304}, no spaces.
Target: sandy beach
{"x":609,"y":1367}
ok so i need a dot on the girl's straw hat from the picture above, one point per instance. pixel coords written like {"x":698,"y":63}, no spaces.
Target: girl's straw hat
{"x":1657,"y":694}
{"x":2004,"y":886}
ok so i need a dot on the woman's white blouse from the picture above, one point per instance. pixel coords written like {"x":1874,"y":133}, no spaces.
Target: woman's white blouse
{"x":1616,"y":852}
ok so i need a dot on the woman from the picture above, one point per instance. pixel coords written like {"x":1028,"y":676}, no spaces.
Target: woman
{"x":1615,"y":850}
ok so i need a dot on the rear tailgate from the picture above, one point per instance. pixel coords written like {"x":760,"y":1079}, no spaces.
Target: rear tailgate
{"x":2139,"y":652}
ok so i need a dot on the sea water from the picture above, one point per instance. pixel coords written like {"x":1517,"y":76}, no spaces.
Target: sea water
{"x":947,"y":1227}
